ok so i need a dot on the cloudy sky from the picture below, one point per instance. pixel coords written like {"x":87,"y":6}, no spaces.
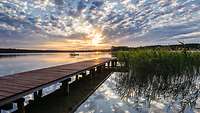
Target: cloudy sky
{"x":89,"y":24}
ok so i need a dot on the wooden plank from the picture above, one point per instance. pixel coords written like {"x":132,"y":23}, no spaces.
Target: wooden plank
{"x":40,"y":78}
{"x":1,"y":96}
{"x":80,"y":66}
{"x":13,"y":84}
{"x":12,"y":88}
{"x":18,"y":81}
{"x":45,"y":74}
{"x":5,"y":93}
{"x":9,"y":90}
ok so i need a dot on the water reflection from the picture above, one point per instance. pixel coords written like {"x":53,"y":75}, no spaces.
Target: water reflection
{"x":180,"y":92}
{"x":126,"y":93}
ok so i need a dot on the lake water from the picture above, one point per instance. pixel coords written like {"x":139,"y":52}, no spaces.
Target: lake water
{"x":129,"y":93}
{"x":21,"y":62}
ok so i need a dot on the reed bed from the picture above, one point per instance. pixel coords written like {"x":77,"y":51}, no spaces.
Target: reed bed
{"x":160,"y":61}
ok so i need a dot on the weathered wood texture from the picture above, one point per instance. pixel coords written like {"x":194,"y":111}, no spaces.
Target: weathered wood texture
{"x":16,"y":86}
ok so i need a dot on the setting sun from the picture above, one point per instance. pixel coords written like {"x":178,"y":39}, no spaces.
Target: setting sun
{"x":96,"y":36}
{"x":97,"y":39}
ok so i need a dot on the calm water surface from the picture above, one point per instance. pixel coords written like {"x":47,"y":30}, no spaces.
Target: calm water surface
{"x":20,"y":62}
{"x":130,"y":93}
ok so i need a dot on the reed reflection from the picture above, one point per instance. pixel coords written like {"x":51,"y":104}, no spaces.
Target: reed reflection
{"x":173,"y":81}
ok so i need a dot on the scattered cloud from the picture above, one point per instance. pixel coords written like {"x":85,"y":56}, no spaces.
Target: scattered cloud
{"x":28,"y":24}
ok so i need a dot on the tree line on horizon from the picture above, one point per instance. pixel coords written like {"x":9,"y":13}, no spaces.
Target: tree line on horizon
{"x":193,"y":47}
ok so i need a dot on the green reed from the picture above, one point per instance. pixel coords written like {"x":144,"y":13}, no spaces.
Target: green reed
{"x":159,"y":61}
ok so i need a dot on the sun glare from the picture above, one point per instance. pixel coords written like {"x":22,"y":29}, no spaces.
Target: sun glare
{"x":96,"y":37}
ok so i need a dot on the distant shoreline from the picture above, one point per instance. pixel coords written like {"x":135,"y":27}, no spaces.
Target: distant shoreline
{"x":191,"y":46}
{"x":5,"y":50}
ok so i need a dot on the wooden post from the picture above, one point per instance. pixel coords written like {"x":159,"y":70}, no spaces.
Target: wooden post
{"x":112,"y":63}
{"x":40,"y":93}
{"x":108,"y":64}
{"x":37,"y":95}
{"x":83,"y":74}
{"x":76,"y":77}
{"x":65,"y":86}
{"x":115,"y":63}
{"x":20,"y":105}
{"x":92,"y":72}
{"x":99,"y":69}
{"x":103,"y":67}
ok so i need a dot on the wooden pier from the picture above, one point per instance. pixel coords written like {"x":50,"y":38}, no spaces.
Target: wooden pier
{"x":14,"y":87}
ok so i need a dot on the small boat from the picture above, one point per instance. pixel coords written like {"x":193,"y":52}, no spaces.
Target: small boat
{"x":74,"y":54}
